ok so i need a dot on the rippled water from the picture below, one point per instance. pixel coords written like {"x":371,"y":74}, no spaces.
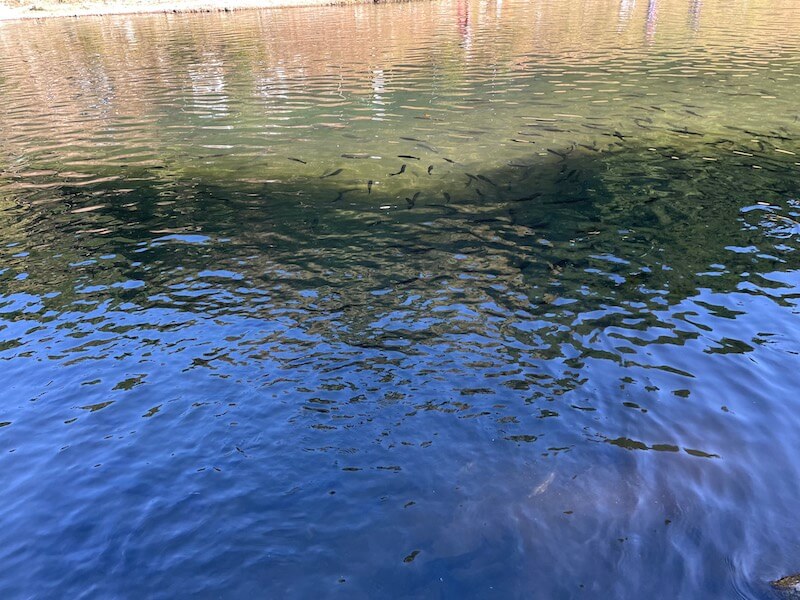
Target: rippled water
{"x":424,"y":300}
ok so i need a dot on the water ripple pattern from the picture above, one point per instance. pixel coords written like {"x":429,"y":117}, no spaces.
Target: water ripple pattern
{"x":465,"y":298}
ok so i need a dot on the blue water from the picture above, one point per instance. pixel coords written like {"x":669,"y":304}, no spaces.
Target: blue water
{"x":560,"y":362}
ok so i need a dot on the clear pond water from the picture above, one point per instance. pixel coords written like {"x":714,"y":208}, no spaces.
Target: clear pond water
{"x":441,"y":299}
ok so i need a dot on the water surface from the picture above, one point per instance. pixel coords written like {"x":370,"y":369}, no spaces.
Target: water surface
{"x":448,"y":299}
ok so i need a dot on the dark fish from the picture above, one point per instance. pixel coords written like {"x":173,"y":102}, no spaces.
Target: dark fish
{"x":410,"y":139}
{"x":357,"y":155}
{"x":452,"y":162}
{"x":369,"y":186}
{"x":561,"y":154}
{"x":448,"y":209}
{"x":775,"y":136}
{"x":406,"y":281}
{"x":413,"y":200}
{"x":408,"y":156}
{"x":685,"y":131}
{"x":430,"y":169}
{"x":342,"y":193}
{"x":479,"y":192}
{"x":617,"y":134}
{"x":487,"y":180}
{"x":446,"y":196}
{"x":428,"y":147}
{"x":470,"y":179}
{"x":527,"y":198}
{"x":416,"y":249}
{"x":402,"y":170}
{"x":297,"y":160}
{"x":331,"y":174}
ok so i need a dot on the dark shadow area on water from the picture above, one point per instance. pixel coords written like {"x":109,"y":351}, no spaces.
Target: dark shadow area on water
{"x":581,"y":226}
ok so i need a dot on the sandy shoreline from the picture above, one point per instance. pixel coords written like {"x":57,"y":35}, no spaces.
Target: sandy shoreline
{"x":11,"y":10}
